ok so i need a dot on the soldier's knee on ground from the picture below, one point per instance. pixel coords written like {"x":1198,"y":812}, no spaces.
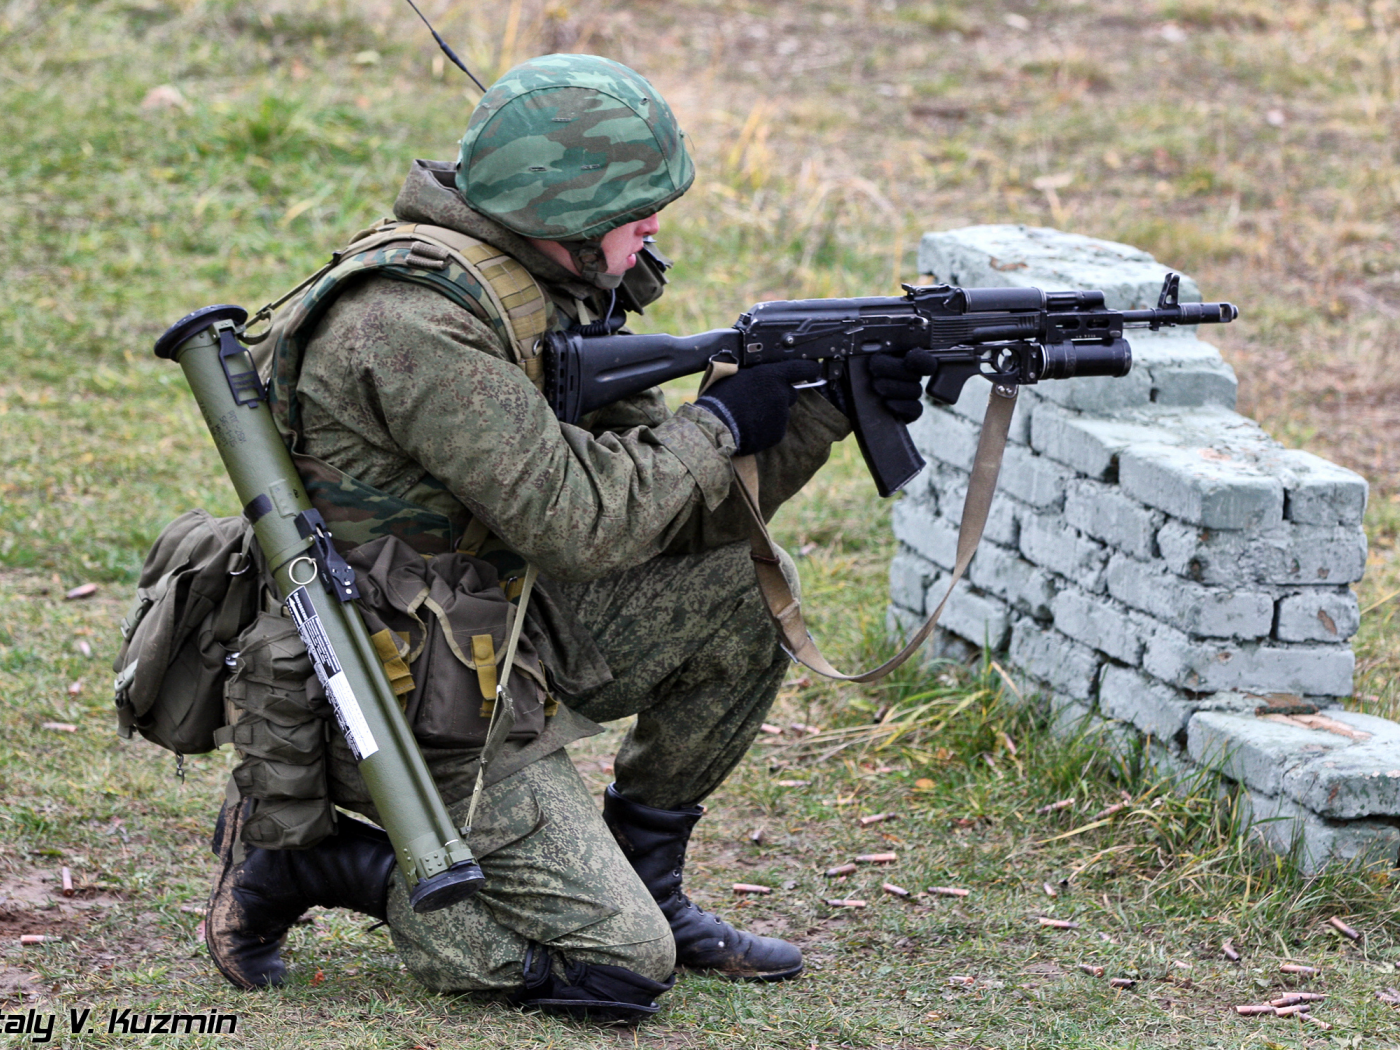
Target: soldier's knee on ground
{"x":654,"y":959}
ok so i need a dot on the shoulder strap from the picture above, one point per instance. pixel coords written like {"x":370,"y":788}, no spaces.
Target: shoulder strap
{"x":512,"y":293}
{"x":786,"y":610}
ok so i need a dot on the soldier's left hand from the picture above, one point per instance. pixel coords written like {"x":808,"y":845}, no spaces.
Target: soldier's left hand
{"x":898,"y":380}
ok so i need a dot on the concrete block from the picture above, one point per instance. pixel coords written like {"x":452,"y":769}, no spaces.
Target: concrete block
{"x":1188,"y":606}
{"x":1283,"y":826}
{"x":910,"y":576}
{"x":1145,"y":703}
{"x":1287,"y":554}
{"x":935,"y":539}
{"x":1003,"y":520}
{"x":1102,"y":511}
{"x":1320,"y":493}
{"x":1185,"y":371}
{"x":1254,"y":751}
{"x":1205,"y":666}
{"x":1085,"y":444}
{"x":978,"y":618}
{"x":1202,"y":486}
{"x":1099,"y":394}
{"x":1033,"y":479}
{"x":1063,"y":664}
{"x":1317,"y":615}
{"x":1006,"y":255}
{"x":944,"y":437}
{"x":1102,"y":625}
{"x":1047,"y":541}
{"x":1004,"y":573}
{"x":1356,"y":775}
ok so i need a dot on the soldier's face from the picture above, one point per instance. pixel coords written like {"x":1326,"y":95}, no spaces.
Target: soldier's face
{"x":622,"y":244}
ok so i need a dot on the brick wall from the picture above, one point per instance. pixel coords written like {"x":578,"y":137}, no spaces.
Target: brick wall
{"x":1155,"y":560}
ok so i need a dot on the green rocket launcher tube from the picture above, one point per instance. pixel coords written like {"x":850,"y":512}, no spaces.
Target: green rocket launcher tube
{"x":317,"y":588}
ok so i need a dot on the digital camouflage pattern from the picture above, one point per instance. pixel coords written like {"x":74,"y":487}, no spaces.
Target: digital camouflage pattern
{"x":695,"y":658}
{"x":647,"y":605}
{"x":568,"y":147}
{"x":554,"y":876}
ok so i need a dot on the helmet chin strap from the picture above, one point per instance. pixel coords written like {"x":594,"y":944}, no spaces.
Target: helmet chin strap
{"x":592,"y":263}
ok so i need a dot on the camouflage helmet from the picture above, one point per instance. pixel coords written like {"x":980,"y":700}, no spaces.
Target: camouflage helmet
{"x":568,"y":147}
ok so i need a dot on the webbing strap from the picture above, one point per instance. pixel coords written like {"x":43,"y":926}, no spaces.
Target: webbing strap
{"x":501,"y":724}
{"x":786,"y":610}
{"x":515,"y":296}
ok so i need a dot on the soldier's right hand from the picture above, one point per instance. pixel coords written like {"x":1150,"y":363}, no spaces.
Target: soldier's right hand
{"x":754,"y":403}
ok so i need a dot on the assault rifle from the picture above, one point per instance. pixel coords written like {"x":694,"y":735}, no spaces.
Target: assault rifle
{"x":1008,"y":335}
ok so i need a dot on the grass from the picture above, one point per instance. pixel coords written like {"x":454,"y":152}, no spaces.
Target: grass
{"x":1247,"y":144}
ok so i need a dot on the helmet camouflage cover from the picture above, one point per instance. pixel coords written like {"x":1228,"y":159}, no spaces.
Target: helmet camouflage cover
{"x":568,"y":147}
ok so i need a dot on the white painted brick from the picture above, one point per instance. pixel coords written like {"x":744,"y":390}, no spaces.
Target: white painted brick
{"x":1102,"y":511}
{"x":1206,"y":666}
{"x":1007,"y":255}
{"x":1046,"y":540}
{"x":1101,"y":624}
{"x":935,"y":539}
{"x":1287,"y":554}
{"x":1198,"y":487}
{"x":1253,"y":751}
{"x":1319,"y":492}
{"x":909,"y":578}
{"x":1318,"y":615}
{"x":1033,"y":479}
{"x":943,"y":437}
{"x":1189,"y":606}
{"x":1010,"y":577}
{"x":1185,"y":371}
{"x":1085,"y":444}
{"x":948,"y":486}
{"x":1337,"y":776}
{"x":1283,"y":825}
{"x":978,"y":618}
{"x":1099,"y":394}
{"x":1360,"y":778}
{"x":1002,"y":520}
{"x":1151,"y":706}
{"x":1065,"y":665}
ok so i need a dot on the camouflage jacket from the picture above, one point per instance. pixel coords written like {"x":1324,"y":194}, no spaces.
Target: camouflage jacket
{"x":407,"y":392}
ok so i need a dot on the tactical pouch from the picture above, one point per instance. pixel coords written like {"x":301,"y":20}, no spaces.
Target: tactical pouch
{"x":451,"y":612}
{"x":199,"y":587}
{"x":277,"y":721}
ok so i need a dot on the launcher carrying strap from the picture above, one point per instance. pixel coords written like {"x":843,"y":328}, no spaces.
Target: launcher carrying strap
{"x":786,"y":610}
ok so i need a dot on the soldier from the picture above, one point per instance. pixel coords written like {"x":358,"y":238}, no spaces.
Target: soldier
{"x":406,"y":388}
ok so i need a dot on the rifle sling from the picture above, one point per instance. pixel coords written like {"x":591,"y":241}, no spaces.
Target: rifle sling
{"x":786,"y":610}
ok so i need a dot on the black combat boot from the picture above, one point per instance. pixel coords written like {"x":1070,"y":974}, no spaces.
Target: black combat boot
{"x":654,"y":840}
{"x":587,"y":991}
{"x":255,"y":901}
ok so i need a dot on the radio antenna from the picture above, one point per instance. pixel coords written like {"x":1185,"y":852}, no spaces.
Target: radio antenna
{"x":445,"y":49}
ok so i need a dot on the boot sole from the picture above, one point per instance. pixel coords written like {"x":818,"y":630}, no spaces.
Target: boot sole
{"x":758,"y":978}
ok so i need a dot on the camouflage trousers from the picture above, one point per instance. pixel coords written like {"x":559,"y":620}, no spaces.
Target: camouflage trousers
{"x":696,"y":659}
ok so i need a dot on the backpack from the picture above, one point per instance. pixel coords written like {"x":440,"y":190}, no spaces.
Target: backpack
{"x":200,"y":586}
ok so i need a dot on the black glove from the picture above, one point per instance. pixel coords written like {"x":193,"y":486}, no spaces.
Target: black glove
{"x":754,"y":402}
{"x":898,"y":381}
